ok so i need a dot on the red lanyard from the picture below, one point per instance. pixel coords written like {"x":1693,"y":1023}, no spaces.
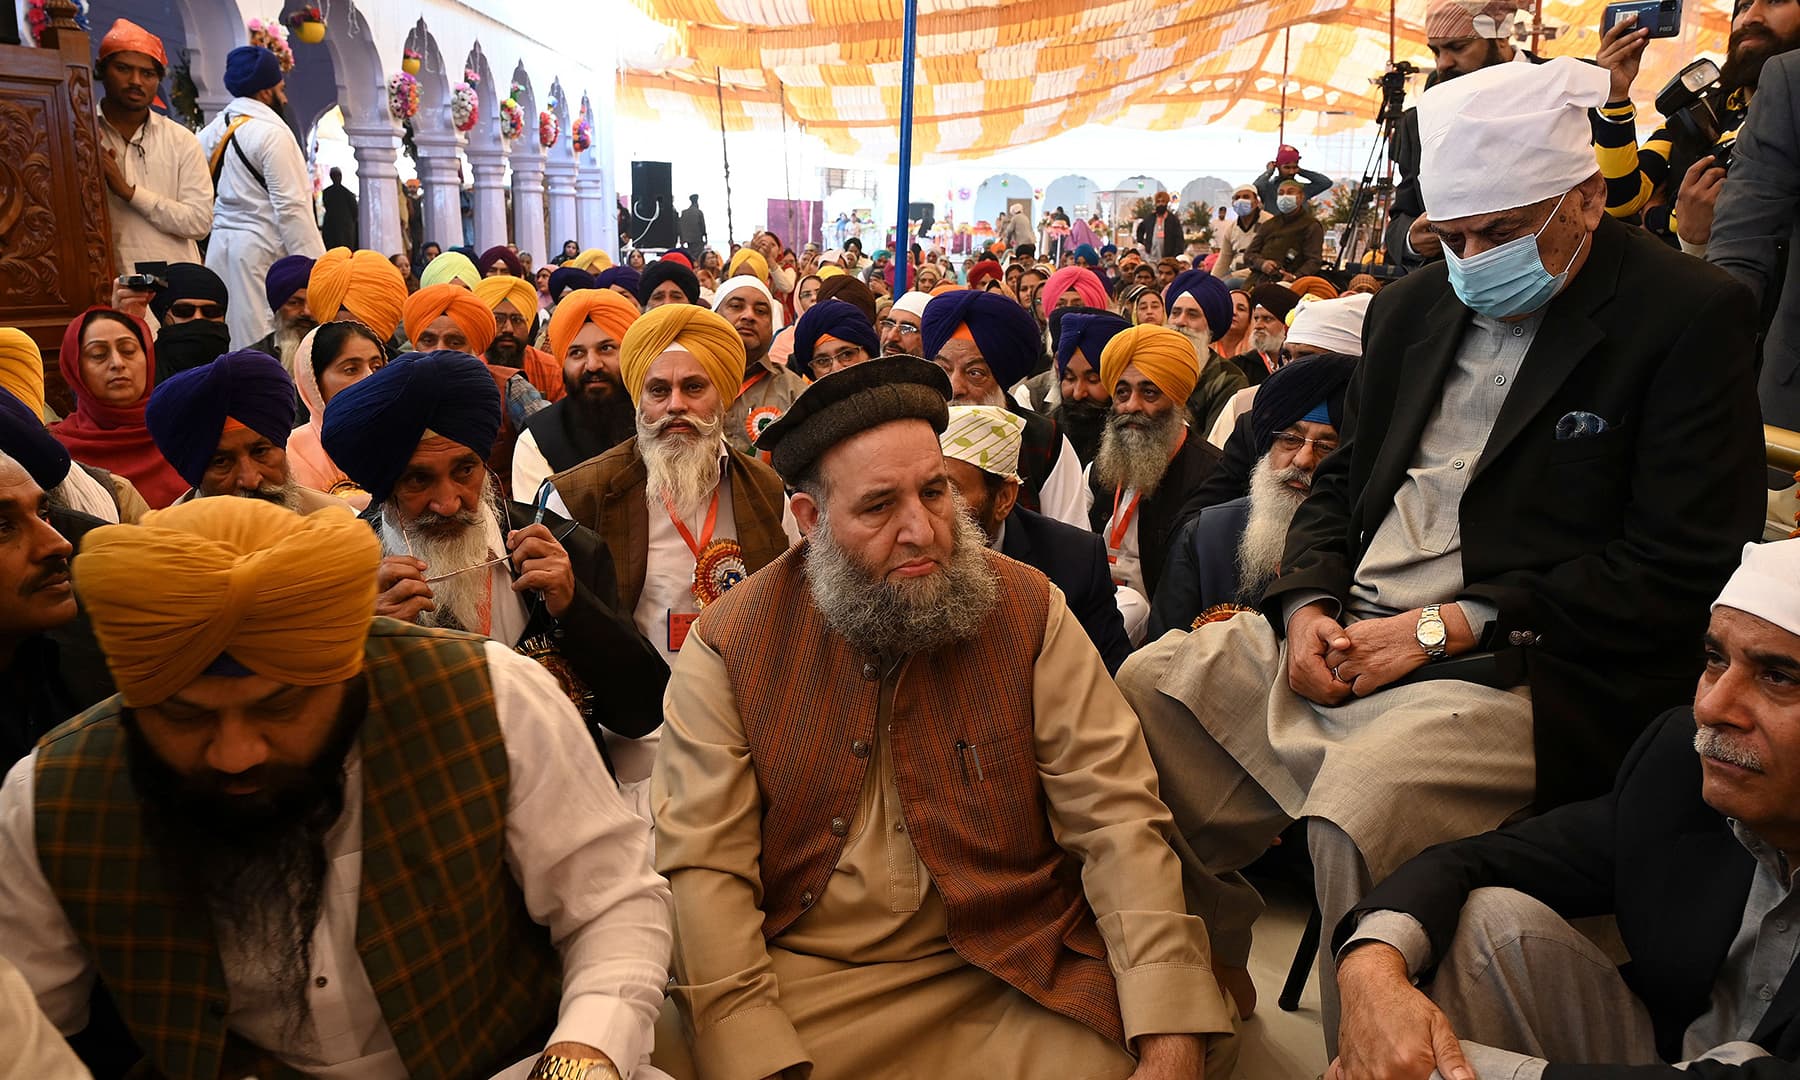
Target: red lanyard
{"x":706,"y":531}
{"x":1117,"y":536}
{"x":752,"y":381}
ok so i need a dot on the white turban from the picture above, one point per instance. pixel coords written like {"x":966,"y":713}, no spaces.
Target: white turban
{"x":1332,"y":325}
{"x":985,"y":436}
{"x":747,"y":281}
{"x":913,"y":303}
{"x":1508,"y":135}
{"x":1766,"y":584}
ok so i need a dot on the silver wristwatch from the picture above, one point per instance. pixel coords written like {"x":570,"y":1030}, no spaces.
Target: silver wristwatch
{"x":1432,"y":636}
{"x":557,"y":1067}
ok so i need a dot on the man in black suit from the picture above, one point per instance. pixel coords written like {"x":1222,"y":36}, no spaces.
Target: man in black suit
{"x":1692,"y":851}
{"x":981,"y":454}
{"x":1502,"y":571}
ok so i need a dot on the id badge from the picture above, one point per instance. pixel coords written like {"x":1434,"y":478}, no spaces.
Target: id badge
{"x":1123,"y":567}
{"x":679,"y":625}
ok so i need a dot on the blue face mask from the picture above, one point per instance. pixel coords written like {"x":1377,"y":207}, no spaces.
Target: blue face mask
{"x":1243,"y":207}
{"x":1509,"y":279}
{"x":1287,"y":203}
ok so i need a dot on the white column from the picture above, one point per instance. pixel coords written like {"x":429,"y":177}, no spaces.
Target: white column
{"x":440,"y":174}
{"x":528,"y":196}
{"x":378,"y":186}
{"x":561,"y":180}
{"x":590,"y":201}
{"x":489,"y":169}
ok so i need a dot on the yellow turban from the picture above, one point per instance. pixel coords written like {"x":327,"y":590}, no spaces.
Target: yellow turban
{"x":495,"y":290}
{"x":464,"y":309}
{"x":824,"y":273}
{"x":365,"y":282}
{"x":593,"y":260}
{"x":602,"y":307}
{"x":1165,"y":357}
{"x":448,"y":267}
{"x":288,"y":597}
{"x":748,"y":260}
{"x":22,"y":368}
{"x":705,"y":334}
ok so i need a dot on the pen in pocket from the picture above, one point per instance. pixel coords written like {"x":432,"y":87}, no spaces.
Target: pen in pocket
{"x":966,"y":752}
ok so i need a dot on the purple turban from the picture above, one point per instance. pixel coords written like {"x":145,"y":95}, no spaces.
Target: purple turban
{"x":287,"y":276}
{"x":373,"y":427}
{"x":566,"y":278}
{"x":1005,"y":333}
{"x":249,"y":68}
{"x":830,"y":318}
{"x":623,"y":276}
{"x":1209,"y":292}
{"x":186,"y":415}
{"x":1089,"y":332}
{"x":503,"y":254}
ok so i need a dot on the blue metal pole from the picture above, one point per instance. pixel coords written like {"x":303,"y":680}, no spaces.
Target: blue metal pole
{"x":903,"y":224}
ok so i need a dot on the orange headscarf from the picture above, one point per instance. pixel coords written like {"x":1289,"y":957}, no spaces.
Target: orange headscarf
{"x":602,"y":307}
{"x":364,"y":282}
{"x":464,"y":308}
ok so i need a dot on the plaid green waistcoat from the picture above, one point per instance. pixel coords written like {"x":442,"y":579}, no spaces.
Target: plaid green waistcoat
{"x":464,"y":976}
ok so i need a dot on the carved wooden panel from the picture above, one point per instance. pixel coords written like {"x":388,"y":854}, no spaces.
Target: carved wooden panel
{"x":29,"y":257}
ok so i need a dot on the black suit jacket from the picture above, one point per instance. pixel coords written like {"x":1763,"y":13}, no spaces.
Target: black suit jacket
{"x":1652,"y":854}
{"x":624,"y":671}
{"x":1165,"y":511}
{"x":1075,"y":560}
{"x":1203,"y":567}
{"x":1601,"y":554}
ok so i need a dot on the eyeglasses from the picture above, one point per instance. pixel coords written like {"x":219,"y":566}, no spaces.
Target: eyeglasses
{"x":519,"y":321}
{"x":183,"y":309}
{"x":892,"y":324}
{"x":1292,"y":443}
{"x":844,"y":357}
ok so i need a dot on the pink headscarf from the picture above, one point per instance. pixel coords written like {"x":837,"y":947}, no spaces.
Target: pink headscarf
{"x":1084,"y":281}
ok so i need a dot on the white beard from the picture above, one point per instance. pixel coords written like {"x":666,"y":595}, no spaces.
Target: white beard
{"x":1272,"y":506}
{"x":1201,"y":340}
{"x":458,"y":598}
{"x":1266,"y":341}
{"x":683,"y":469}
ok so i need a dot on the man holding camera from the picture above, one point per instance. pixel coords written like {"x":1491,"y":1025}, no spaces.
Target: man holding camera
{"x":1675,"y":177}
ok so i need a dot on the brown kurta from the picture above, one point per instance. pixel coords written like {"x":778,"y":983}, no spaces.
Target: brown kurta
{"x":866,"y":983}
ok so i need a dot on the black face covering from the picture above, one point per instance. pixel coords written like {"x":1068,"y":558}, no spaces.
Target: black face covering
{"x":189,"y":345}
{"x":1083,"y":422}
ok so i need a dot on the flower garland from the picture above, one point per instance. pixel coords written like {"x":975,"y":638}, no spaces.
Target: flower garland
{"x":270,"y":36}
{"x":403,"y":96}
{"x":582,"y":136}
{"x":465,"y":107}
{"x":37,"y":17}
{"x":512,"y":119}
{"x":548,"y":129}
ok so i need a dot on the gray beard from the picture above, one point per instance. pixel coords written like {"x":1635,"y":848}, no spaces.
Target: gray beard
{"x":1134,"y":456}
{"x":284,"y":495}
{"x":1201,"y":340}
{"x":882,"y":618}
{"x":1272,"y":506}
{"x":682,"y":469}
{"x":1266,"y":341}
{"x":287,"y":341}
{"x":457,"y":599}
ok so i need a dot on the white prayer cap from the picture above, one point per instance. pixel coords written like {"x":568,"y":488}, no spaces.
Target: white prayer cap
{"x":1332,"y":325}
{"x":1766,"y":584}
{"x":1507,"y":136}
{"x":913,"y":303}
{"x":747,"y":281}
{"x":985,"y":436}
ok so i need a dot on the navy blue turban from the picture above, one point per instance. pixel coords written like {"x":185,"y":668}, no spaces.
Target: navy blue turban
{"x":1089,"y":332}
{"x":249,"y":68}
{"x":24,"y":438}
{"x":668,"y":270}
{"x":1209,"y":292}
{"x":373,"y":427}
{"x":1005,"y":333}
{"x":833,"y":318}
{"x":187,"y":414}
{"x":1295,"y":391}
{"x":623,"y":276}
{"x":189,"y":281}
{"x":287,"y":276}
{"x":565,"y":278}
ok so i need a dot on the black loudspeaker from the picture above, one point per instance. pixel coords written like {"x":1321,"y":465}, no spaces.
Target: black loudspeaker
{"x":652,"y":205}
{"x":924,"y":213}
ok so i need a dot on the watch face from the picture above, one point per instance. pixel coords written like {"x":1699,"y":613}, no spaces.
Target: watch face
{"x":1431,"y":635}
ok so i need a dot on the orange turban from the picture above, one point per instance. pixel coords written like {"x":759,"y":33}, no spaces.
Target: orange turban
{"x":127,"y":36}
{"x":22,"y":368}
{"x":705,"y":334}
{"x":602,"y":307}
{"x":464,"y":309}
{"x":496,"y":290}
{"x":286,"y":596}
{"x":1165,"y":356}
{"x":365,"y":282}
{"x":1314,"y":286}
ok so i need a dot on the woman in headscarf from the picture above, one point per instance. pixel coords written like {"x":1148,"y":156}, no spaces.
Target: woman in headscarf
{"x":1142,"y":304}
{"x":1236,"y":341}
{"x":330,"y":357}
{"x":108,"y":364}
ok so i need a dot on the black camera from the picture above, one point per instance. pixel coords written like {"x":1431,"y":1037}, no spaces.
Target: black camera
{"x":151,"y":276}
{"x":1686,"y":104}
{"x":1393,"y":90}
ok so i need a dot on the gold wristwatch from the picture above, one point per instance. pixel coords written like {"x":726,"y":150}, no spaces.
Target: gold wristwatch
{"x":1432,"y":636}
{"x":557,"y":1067}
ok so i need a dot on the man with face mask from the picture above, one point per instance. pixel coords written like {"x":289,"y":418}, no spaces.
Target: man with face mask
{"x":1286,"y":166}
{"x":1532,"y":503}
{"x":191,"y":310}
{"x":1238,"y":233}
{"x":1291,"y":243}
{"x":264,"y":207}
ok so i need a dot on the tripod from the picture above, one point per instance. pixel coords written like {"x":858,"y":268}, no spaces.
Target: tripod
{"x":1393,"y":107}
